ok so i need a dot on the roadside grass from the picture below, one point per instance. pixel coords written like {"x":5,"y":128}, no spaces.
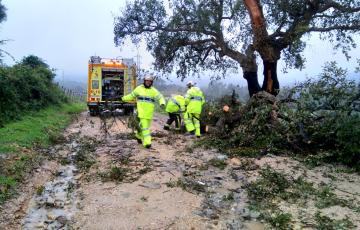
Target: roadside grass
{"x":37,"y":128}
{"x":18,"y":140}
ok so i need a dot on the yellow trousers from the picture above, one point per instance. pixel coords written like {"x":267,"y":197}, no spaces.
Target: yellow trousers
{"x":192,"y":122}
{"x":143,"y":133}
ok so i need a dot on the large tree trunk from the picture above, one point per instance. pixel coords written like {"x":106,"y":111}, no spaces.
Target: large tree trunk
{"x":252,"y":81}
{"x":250,"y":68}
{"x":264,"y":46}
{"x":270,"y":83}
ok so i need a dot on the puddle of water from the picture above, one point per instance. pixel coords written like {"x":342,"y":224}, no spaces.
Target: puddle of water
{"x":55,"y":207}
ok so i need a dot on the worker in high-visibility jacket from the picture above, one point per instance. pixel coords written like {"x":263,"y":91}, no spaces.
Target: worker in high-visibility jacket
{"x":146,"y":96}
{"x":175,"y":107}
{"x":194,"y":100}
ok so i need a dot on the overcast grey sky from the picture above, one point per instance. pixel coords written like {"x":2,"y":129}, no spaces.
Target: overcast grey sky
{"x":66,"y":33}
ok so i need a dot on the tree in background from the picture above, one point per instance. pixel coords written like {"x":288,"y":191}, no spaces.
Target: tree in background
{"x":219,"y":35}
{"x":34,"y":62}
{"x":194,"y":36}
{"x":2,"y":18}
{"x":2,"y":12}
{"x":278,"y":26}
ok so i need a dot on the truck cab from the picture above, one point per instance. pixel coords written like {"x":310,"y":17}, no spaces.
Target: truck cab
{"x":109,"y":80}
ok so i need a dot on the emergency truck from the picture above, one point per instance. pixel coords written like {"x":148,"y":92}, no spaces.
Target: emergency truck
{"x":109,"y":80}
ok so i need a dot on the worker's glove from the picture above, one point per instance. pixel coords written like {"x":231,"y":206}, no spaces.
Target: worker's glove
{"x":162,"y":106}
{"x":121,"y":100}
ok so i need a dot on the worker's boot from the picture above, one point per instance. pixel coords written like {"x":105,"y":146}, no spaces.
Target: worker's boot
{"x":138,"y":137}
{"x":148,"y":146}
{"x":166,"y":127}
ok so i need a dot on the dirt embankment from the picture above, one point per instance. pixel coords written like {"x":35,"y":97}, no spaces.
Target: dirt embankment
{"x":93,"y":181}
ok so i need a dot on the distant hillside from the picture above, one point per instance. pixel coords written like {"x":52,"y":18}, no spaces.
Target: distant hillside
{"x":73,"y":85}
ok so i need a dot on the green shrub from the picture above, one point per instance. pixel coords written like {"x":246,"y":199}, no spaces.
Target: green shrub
{"x":27,"y":86}
{"x":328,"y":110}
{"x":318,"y":116}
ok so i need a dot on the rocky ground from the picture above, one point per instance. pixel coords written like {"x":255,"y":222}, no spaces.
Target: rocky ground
{"x":101,"y":178}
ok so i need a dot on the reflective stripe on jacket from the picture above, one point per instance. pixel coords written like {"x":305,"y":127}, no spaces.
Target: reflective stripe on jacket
{"x":175,"y":104}
{"x":194,"y":100}
{"x":145,"y":98}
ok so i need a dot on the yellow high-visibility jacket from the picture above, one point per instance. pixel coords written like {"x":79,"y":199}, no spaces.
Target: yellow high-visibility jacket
{"x":175,"y":104}
{"x":194,"y":100}
{"x":145,"y":100}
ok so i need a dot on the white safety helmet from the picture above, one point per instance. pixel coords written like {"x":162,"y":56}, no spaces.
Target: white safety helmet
{"x":190,"y":83}
{"x":148,"y":78}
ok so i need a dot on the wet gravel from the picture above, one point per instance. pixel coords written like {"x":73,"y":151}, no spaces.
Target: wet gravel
{"x":55,"y":203}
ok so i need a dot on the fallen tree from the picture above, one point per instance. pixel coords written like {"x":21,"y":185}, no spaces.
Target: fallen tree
{"x":317,"y":117}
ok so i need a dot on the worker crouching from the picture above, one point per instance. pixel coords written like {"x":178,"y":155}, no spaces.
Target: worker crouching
{"x":174,"y":107}
{"x":146,"y":96}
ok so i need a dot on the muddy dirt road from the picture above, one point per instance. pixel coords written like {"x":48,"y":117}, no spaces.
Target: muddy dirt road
{"x":93,"y":180}
{"x":98,"y":181}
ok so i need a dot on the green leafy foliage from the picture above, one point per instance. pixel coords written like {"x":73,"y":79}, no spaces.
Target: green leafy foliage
{"x":274,"y":187}
{"x":327,"y":198}
{"x":118,"y":173}
{"x":190,"y":36}
{"x":2,"y":12}
{"x":319,"y":118}
{"x":85,"y":157}
{"x":270,"y":184}
{"x":280,"y":220}
{"x":327,"y":115}
{"x":34,"y":62}
{"x":221,"y":164}
{"x":6,"y":185}
{"x":27,"y":86}
{"x":2,"y":42}
{"x":325,"y":223}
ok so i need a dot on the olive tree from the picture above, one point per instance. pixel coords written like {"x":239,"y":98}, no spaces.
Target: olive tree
{"x":2,"y":18}
{"x":279,"y":25}
{"x":2,"y":12}
{"x":191,"y":36}
{"x":219,"y":35}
